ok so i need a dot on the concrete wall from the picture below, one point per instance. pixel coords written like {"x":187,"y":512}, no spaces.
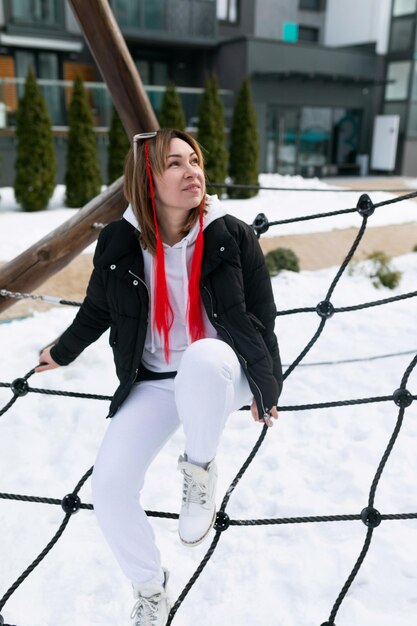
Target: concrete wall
{"x":245,"y":25}
{"x":353,"y":22}
{"x":271,"y":56}
{"x":270,"y":16}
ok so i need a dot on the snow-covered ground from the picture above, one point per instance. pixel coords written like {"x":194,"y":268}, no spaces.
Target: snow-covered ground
{"x":276,"y":205}
{"x":318,"y":462}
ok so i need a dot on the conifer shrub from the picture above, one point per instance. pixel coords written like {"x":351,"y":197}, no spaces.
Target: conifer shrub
{"x":244,"y":145}
{"x":282,"y":259}
{"x":171,"y":114}
{"x":415,"y":248}
{"x":118,"y":148}
{"x":378,"y":269}
{"x":83,"y":178}
{"x":381,"y":272}
{"x":211,"y":134}
{"x":36,"y":161}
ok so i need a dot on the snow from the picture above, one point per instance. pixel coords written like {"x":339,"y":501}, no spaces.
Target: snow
{"x":319,"y":462}
{"x":277,"y":205}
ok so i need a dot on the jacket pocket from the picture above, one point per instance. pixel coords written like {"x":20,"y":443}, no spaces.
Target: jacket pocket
{"x":255,"y":321}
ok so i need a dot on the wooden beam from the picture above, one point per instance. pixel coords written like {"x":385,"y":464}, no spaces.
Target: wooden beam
{"x":49,"y":255}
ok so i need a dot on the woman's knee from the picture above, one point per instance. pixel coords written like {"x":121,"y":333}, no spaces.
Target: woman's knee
{"x":209,"y":356}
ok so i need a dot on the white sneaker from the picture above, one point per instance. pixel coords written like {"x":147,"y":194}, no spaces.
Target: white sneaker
{"x":198,"y":509}
{"x":152,"y":606}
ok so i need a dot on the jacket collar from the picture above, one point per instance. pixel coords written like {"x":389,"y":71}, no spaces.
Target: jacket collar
{"x":123,"y":249}
{"x":219,"y":245}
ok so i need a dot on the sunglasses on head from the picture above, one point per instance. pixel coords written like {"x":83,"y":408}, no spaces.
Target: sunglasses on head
{"x":141,"y":137}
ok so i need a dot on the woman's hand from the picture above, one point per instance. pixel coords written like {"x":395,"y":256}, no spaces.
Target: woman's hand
{"x":46,"y":362}
{"x":272,"y":413}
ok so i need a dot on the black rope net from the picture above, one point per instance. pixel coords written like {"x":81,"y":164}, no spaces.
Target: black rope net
{"x":369,"y":515}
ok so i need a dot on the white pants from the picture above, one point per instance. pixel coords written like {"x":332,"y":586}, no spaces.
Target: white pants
{"x":210,"y":384}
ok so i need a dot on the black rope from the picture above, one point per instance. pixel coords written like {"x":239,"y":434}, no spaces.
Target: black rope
{"x":318,"y":189}
{"x":370,"y":516}
{"x":305,"y":218}
{"x":363,"y":359}
{"x":71,"y":503}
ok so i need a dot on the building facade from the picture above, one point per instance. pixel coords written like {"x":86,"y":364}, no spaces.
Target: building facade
{"x":320,"y":70}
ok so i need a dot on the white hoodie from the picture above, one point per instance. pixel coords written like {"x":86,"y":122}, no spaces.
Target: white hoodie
{"x":177,"y":269}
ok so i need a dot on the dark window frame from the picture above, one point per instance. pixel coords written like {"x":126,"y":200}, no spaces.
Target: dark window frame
{"x":311,"y":29}
{"x":320,"y":6}
{"x":395,"y":20}
{"x":28,"y":25}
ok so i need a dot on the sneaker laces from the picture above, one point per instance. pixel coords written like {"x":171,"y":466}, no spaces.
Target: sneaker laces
{"x":193,"y":492}
{"x":146,"y":609}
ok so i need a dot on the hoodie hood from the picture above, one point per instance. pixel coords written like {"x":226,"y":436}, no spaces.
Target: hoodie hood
{"x":214,"y":211}
{"x":178,"y":259}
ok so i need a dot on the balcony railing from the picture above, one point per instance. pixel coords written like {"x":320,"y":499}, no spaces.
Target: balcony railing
{"x":180,"y":19}
{"x":57,"y":94}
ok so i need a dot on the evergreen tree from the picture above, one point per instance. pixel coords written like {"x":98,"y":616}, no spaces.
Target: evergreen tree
{"x":118,"y":148}
{"x":83,"y":179}
{"x":171,"y":114}
{"x":35,"y":162}
{"x":211,"y":134}
{"x":244,"y":146}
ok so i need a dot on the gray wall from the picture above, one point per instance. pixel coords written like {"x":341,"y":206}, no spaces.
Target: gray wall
{"x":273,"y":56}
{"x":245,"y":25}
{"x":271,"y":14}
{"x":409,"y":158}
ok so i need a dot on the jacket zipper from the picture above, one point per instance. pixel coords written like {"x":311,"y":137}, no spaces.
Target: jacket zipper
{"x":234,"y":347}
{"x":142,"y":281}
{"x":149,"y":299}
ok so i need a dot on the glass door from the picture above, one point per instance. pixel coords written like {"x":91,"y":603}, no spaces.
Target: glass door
{"x":282,"y":140}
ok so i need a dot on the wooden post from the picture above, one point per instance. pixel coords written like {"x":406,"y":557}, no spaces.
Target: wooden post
{"x":49,"y":255}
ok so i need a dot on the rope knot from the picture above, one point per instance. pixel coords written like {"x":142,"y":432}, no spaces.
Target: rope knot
{"x":325,"y":309}
{"x":222,"y":521}
{"x":365,"y":206}
{"x":402,"y":397}
{"x":371,"y":517}
{"x":71,"y":503}
{"x":20,"y":387}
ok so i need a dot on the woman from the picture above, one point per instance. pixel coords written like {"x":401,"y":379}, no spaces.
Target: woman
{"x":187,"y":296}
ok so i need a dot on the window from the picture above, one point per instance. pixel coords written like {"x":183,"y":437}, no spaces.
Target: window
{"x":316,"y":131}
{"x":43,"y":12}
{"x":45,"y":65}
{"x":308,"y":33}
{"x":404,"y":7}
{"x":228,"y":11}
{"x":153,"y":72}
{"x":402,"y":34}
{"x":399,"y":73}
{"x":310,"y":5}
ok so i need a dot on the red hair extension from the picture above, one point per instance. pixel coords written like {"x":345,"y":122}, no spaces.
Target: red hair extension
{"x":194,"y":314}
{"x":163,"y":313}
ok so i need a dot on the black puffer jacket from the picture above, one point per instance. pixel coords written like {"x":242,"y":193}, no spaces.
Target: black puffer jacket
{"x":235,"y":289}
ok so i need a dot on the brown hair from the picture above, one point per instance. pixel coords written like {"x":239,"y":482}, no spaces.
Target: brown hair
{"x":136,"y":184}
